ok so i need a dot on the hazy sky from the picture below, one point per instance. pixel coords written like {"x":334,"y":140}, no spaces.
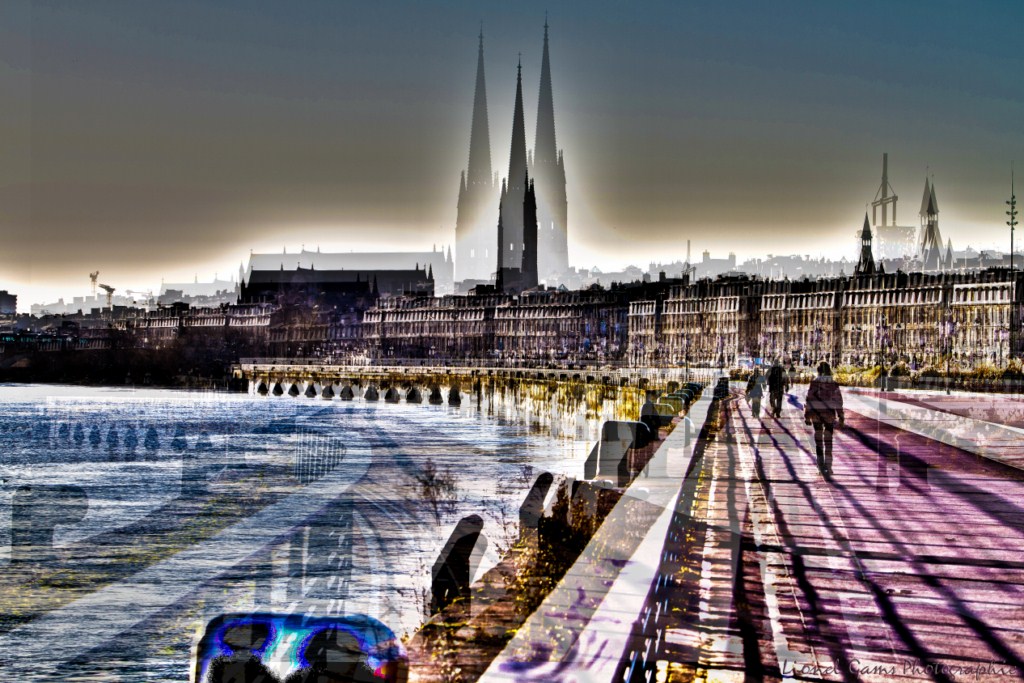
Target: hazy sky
{"x":164,"y":139}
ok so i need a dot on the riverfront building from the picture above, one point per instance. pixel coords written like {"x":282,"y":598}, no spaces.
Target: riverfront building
{"x":449,"y":327}
{"x":515,"y":236}
{"x":881,"y":318}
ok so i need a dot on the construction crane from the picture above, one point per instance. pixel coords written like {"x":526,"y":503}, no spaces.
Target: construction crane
{"x":93,"y":277}
{"x":110,"y":294}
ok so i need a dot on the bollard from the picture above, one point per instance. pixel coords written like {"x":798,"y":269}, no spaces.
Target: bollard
{"x":452,"y":573}
{"x":609,"y":458}
{"x":532,"y":508}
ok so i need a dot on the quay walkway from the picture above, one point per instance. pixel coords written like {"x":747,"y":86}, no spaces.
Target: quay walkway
{"x":748,"y":565}
{"x":905,"y":566}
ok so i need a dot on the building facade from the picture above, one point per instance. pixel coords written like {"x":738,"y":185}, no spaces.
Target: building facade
{"x":448,"y":327}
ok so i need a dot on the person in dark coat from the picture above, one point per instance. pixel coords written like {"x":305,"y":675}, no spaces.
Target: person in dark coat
{"x":824,"y":409}
{"x":777,"y":385}
{"x":755,"y":392}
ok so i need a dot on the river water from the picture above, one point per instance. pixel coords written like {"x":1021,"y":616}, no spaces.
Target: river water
{"x":168,"y":508}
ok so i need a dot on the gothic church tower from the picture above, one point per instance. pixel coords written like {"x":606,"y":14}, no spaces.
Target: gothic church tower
{"x":478,"y":193}
{"x":548,"y":171}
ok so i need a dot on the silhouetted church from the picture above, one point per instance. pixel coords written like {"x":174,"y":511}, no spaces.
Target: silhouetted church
{"x":866,"y":264}
{"x":517,"y":212}
{"x":476,"y":255}
{"x":932,"y":257}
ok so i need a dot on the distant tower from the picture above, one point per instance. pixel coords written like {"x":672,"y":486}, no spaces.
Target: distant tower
{"x":883,"y":198}
{"x":866,"y":265}
{"x":513,"y":191}
{"x":931,"y":238}
{"x":548,"y":170}
{"x":478,"y":192}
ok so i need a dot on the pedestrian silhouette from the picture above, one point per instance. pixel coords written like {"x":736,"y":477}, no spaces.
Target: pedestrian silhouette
{"x":824,"y":409}
{"x":333,"y":656}
{"x":243,"y":665}
{"x":755,"y":391}
{"x":777,"y":384}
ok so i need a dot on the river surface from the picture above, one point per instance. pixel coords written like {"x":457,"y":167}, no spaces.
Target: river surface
{"x":169,"y":508}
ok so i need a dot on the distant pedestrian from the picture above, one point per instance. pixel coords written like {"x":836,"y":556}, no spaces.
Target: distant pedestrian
{"x":823,"y":409}
{"x":790,"y":377}
{"x":755,"y":392}
{"x":777,"y":384}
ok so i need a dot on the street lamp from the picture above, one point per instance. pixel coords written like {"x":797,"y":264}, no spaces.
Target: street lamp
{"x":686,"y":355}
{"x":948,"y":330}
{"x":816,"y":342}
{"x":883,"y":341}
{"x":1012,"y":213}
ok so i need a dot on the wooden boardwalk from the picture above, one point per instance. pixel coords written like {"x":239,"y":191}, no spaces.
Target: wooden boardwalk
{"x":906,"y":566}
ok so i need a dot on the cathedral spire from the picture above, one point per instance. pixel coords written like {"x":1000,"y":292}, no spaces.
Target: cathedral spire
{"x":545,"y":149}
{"x":866,"y":265}
{"x":480,"y":135}
{"x":517,"y":155}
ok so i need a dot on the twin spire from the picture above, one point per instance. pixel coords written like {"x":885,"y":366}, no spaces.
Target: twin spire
{"x":479,"y":187}
{"x":545,"y":150}
{"x":480,"y":134}
{"x":517,"y":155}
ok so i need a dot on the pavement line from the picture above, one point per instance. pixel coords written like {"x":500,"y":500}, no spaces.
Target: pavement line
{"x":766,"y":535}
{"x":708,"y":641}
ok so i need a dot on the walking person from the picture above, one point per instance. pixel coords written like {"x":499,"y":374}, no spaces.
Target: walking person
{"x":755,"y":391}
{"x":824,"y":409}
{"x":777,"y":386}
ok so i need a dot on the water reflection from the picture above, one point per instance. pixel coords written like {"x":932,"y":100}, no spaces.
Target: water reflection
{"x":237,"y":503}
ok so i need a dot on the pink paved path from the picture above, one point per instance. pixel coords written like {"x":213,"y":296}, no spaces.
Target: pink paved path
{"x":906,"y":566}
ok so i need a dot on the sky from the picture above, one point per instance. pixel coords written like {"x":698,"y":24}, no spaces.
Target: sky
{"x":153,"y":140}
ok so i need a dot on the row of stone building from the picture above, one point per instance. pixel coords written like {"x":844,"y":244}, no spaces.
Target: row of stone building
{"x":920,"y":318}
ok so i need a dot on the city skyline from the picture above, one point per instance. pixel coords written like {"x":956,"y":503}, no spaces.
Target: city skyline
{"x":146,"y":145}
